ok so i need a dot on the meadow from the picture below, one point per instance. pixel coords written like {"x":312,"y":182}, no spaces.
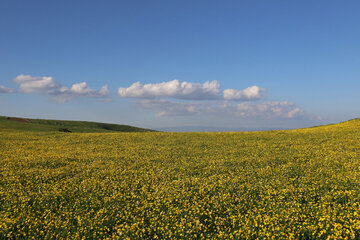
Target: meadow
{"x":293,"y":184}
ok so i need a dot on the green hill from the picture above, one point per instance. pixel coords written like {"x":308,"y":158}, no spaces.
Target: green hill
{"x":26,"y":124}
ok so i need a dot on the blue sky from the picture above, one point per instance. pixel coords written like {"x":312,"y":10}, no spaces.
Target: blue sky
{"x":234,"y":64}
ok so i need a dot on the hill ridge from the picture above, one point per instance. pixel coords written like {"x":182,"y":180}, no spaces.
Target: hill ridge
{"x":49,"y":125}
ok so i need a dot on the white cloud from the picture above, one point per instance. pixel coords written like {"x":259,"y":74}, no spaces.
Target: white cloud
{"x":31,"y":84}
{"x":5,"y":89}
{"x":250,"y":93}
{"x":281,"y":110}
{"x":190,"y":91}
{"x":172,"y":89}
{"x":207,"y":99}
{"x":104,"y":90}
{"x":59,"y":93}
{"x":81,"y":89}
{"x":167,"y":108}
{"x":294,"y":112}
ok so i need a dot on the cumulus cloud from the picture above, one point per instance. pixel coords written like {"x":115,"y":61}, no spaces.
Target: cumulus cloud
{"x":175,"y":98}
{"x":31,"y":84}
{"x":48,"y":86}
{"x":173,"y":89}
{"x":250,"y":93}
{"x":5,"y":89}
{"x":81,"y":89}
{"x":190,"y":91}
{"x":269,"y":110}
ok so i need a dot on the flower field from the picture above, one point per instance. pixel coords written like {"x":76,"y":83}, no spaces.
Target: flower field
{"x":296,"y":184}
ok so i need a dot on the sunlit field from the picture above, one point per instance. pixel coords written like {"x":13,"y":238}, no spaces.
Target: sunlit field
{"x":296,"y":184}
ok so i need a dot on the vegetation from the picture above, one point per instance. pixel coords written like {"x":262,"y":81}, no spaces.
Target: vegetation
{"x":295,"y":184}
{"x":25,"y":124}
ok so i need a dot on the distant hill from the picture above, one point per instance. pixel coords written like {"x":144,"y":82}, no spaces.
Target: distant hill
{"x":43,"y":125}
{"x":215,"y":129}
{"x":225,"y":129}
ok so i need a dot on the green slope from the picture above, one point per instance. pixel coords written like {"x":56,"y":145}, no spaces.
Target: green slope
{"x":25,"y":124}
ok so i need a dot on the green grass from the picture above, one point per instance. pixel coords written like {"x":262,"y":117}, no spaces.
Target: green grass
{"x":42,"y":125}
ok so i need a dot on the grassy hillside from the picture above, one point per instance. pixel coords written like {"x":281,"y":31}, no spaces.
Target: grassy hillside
{"x":25,"y":124}
{"x":296,"y":184}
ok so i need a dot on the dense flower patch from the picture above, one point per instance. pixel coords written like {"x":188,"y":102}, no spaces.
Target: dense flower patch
{"x":298,"y":184}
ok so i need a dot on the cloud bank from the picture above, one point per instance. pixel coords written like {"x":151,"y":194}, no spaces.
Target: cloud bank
{"x":274,"y":109}
{"x":189,"y":91}
{"x":172,"y":98}
{"x":175,"y":98}
{"x":5,"y":89}
{"x":48,"y":86}
{"x":267,"y":110}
